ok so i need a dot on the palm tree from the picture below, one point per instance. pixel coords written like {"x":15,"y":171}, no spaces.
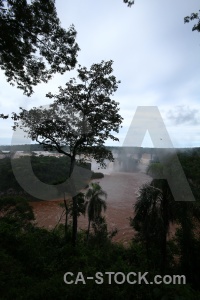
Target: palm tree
{"x":188,"y":216}
{"x":156,"y":208}
{"x":95,"y":203}
{"x":154,"y":211}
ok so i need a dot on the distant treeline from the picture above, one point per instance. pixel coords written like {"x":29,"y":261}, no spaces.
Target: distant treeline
{"x":25,"y":148}
{"x":134,"y":150}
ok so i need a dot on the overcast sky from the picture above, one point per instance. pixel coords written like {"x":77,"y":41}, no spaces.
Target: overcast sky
{"x":156,"y":56}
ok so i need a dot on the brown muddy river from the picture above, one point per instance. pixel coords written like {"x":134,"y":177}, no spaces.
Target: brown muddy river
{"x":121,"y":189}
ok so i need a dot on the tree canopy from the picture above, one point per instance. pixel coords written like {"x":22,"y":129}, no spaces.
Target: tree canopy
{"x":129,"y":2}
{"x":33,"y":45}
{"x":79,"y":121}
{"x":192,"y":17}
{"x":82,"y":117}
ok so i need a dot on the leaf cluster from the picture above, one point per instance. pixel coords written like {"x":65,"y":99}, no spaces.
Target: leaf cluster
{"x":192,"y":17}
{"x":129,"y":2}
{"x":33,"y":45}
{"x":82,"y":117}
{"x":33,"y":262}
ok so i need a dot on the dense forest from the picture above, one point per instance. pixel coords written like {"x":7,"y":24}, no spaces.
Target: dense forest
{"x":50,"y":170}
{"x":34,"y":260}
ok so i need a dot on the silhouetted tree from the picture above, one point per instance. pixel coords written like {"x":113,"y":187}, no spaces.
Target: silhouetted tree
{"x":95,"y":203}
{"x":192,"y":17}
{"x":156,"y":208}
{"x":154,"y":211}
{"x":82,"y":117}
{"x":33,"y":44}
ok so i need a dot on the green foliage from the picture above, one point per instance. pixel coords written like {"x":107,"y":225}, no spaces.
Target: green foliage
{"x":97,"y":175}
{"x":176,"y":292}
{"x":50,"y":170}
{"x":78,"y":127}
{"x":129,"y":2}
{"x":33,"y":262}
{"x":156,"y":209}
{"x":192,"y":17}
{"x":101,"y":236}
{"x":190,"y":161}
{"x":26,"y":148}
{"x":7,"y":179}
{"x":155,"y":170}
{"x":96,"y":203}
{"x":81,"y":205}
{"x":17,"y":209}
{"x":188,"y":246}
{"x":30,"y":28}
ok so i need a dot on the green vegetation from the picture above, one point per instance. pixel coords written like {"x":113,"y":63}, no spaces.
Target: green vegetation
{"x":26,"y":148}
{"x":34,"y":260}
{"x":33,"y":27}
{"x":97,"y":175}
{"x":95,"y":203}
{"x":50,"y":170}
{"x":156,"y":210}
{"x":192,"y":17}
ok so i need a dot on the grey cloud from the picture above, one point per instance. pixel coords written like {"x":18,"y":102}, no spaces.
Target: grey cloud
{"x":184,"y":115}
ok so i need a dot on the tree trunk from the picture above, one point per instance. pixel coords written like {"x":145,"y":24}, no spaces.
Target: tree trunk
{"x":74,"y":203}
{"x":164,"y":253}
{"x":74,"y":225}
{"x":166,"y":228}
{"x":88,"y":231}
{"x":66,"y":217}
{"x":187,"y":245}
{"x":74,"y":206}
{"x":72,"y":164}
